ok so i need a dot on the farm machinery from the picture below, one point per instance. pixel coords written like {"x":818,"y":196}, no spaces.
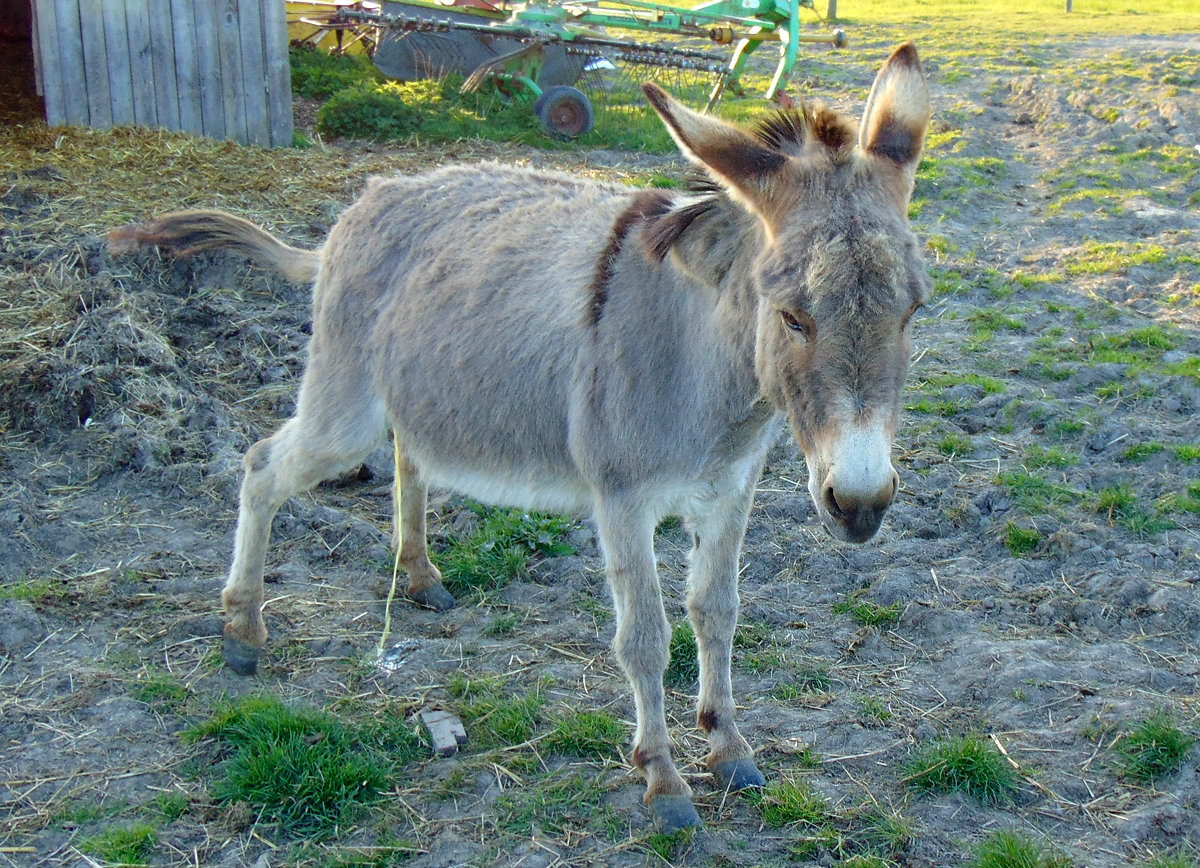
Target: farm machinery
{"x":536,"y":52}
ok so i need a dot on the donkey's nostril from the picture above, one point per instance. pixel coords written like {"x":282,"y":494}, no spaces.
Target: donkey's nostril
{"x":831,"y":504}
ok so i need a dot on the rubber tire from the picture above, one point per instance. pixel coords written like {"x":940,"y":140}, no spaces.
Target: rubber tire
{"x":565,"y":112}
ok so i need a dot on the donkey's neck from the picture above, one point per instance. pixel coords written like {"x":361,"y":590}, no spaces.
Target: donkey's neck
{"x":718,"y":249}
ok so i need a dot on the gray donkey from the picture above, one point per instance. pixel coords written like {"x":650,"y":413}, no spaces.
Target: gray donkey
{"x":539,"y":340}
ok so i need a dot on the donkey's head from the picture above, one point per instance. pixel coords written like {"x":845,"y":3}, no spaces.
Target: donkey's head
{"x":839,"y":276}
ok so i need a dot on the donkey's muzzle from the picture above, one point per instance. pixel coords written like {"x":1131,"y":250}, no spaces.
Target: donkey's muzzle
{"x":855,"y":517}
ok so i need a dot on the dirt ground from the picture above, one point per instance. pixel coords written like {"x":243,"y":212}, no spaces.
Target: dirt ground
{"x":1056,"y":363}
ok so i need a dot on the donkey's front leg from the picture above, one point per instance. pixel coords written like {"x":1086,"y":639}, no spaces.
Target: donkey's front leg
{"x":712,"y":608}
{"x":643,"y":648}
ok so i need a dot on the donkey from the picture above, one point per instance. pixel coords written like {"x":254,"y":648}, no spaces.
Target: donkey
{"x":555,"y":343}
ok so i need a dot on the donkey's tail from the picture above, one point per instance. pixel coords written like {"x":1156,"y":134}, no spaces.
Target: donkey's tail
{"x":186,"y":233}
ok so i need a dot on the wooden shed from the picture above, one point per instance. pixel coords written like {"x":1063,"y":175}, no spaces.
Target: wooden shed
{"x":217,"y":68}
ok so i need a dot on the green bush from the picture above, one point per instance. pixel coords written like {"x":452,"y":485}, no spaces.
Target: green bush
{"x":317,"y":74}
{"x":368,"y":111}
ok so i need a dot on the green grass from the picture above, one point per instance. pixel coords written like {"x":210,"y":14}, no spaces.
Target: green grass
{"x":1020,"y":541}
{"x":171,"y":806}
{"x":586,"y":733}
{"x":558,"y":802}
{"x":1034,"y":494}
{"x":503,"y":721}
{"x":1037,"y":457}
{"x":500,"y":548}
{"x":363,"y":107}
{"x":1006,"y":849}
{"x":1153,"y":748}
{"x":1119,"y":504}
{"x":684,"y":667}
{"x":303,"y":768}
{"x":123,"y":845}
{"x":670,"y":848}
{"x":868,"y":614}
{"x":1179,"y":859}
{"x":502,"y":625}
{"x":937,"y":384}
{"x":1114,"y":257}
{"x":162,"y":693}
{"x":806,"y":680}
{"x":79,"y":813}
{"x":967,"y":764}
{"x":1186,"y":452}
{"x":784,"y":803}
{"x":955,"y":444}
{"x":873,"y":711}
{"x":990,"y":320}
{"x":34,"y":589}
{"x":1139,"y":452}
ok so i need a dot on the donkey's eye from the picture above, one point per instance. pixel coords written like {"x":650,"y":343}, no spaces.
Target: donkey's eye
{"x":802,"y":324}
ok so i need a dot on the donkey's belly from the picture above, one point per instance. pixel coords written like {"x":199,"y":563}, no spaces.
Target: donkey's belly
{"x":529,"y":488}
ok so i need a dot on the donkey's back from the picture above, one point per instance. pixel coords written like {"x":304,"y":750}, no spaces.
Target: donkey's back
{"x":460,"y":296}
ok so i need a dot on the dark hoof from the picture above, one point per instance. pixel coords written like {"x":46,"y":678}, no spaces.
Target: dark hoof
{"x":738,"y":774}
{"x":436,"y":597}
{"x":240,"y":657}
{"x":672,"y":813}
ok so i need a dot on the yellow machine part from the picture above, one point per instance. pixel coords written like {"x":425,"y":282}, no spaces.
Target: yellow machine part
{"x":325,"y":38}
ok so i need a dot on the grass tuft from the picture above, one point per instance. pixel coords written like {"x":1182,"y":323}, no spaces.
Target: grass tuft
{"x":1170,"y":860}
{"x":784,"y":802}
{"x":670,"y":847}
{"x":503,"y":720}
{"x":967,"y":764}
{"x":500,"y":548}
{"x":684,"y":668}
{"x":162,"y":693}
{"x":125,"y":845}
{"x":1153,"y":748}
{"x":302,"y":768}
{"x":1019,"y":540}
{"x":586,"y":733}
{"x":869,"y":614}
{"x":1007,"y":849}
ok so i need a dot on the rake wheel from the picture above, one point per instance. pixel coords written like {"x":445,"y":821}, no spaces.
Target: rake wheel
{"x":565,"y":112}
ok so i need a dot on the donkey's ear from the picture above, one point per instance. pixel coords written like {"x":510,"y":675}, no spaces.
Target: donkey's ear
{"x":734,"y":159}
{"x":898,"y":111}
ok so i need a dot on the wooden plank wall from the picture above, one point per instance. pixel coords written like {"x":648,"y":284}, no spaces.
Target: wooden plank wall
{"x":217,"y":68}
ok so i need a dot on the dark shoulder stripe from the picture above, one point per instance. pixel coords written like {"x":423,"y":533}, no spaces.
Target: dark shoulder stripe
{"x":645,"y":205}
{"x":666,"y":229}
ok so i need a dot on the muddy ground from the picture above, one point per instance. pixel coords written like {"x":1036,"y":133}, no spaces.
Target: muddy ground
{"x":1059,"y":205}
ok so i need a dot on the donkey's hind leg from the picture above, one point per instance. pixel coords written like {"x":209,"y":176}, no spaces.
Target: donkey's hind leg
{"x":410,"y":502}
{"x":337,"y":424}
{"x":642,"y":646}
{"x":712,"y":608}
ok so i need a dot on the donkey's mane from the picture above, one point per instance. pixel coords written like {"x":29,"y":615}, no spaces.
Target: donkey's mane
{"x":786,"y":131}
{"x":789,"y":130}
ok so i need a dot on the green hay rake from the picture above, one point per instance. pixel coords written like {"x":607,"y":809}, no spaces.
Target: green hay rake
{"x":535,"y":53}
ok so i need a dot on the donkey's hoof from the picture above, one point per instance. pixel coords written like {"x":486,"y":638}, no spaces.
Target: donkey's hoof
{"x":239,"y":656}
{"x":672,"y":813}
{"x":436,"y":597}
{"x":738,"y":774}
